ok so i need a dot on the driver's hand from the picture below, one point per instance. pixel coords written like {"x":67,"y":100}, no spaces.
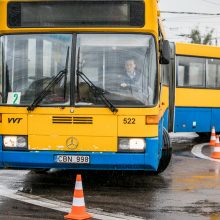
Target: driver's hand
{"x":124,"y":85}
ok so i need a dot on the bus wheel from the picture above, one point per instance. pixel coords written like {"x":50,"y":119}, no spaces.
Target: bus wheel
{"x":166,"y":152}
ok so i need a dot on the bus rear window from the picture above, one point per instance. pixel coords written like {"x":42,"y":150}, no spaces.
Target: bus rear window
{"x":76,"y":14}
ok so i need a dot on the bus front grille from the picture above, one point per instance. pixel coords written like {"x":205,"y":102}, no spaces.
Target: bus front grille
{"x":82,"y":120}
{"x":62,"y":120}
{"x":72,"y":120}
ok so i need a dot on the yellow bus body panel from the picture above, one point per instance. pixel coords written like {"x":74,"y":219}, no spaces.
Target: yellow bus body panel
{"x":60,"y":143}
{"x":102,"y":125}
{"x":139,"y":129}
{"x":14,"y":124}
{"x":164,"y":100}
{"x":101,"y":135}
{"x":197,"y":50}
{"x":197,"y":97}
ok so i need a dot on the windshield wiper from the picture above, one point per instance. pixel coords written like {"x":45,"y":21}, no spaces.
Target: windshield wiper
{"x":51,"y":84}
{"x":97,"y":92}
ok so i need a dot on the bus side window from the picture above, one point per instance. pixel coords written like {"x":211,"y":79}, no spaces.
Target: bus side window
{"x":180,"y":76}
{"x":197,"y":73}
{"x":191,"y":72}
{"x":213,"y":74}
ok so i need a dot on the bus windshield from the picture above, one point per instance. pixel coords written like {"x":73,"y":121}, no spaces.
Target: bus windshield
{"x":122,"y":65}
{"x":30,"y":63}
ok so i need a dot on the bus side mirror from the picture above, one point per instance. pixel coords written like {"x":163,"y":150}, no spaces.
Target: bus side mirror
{"x":165,"y":52}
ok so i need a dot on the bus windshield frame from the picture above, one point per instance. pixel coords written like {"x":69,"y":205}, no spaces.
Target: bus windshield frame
{"x":142,"y":52}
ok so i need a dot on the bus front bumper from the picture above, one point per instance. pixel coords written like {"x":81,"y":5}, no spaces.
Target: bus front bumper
{"x":98,"y":160}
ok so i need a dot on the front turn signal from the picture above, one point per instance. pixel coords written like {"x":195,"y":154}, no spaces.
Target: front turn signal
{"x":152,"y":120}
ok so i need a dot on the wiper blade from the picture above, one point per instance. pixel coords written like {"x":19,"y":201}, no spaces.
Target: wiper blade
{"x":50,"y":85}
{"x":97,"y":92}
{"x":46,"y":90}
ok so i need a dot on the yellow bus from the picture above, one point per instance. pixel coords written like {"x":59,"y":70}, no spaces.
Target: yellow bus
{"x":198,"y":88}
{"x":81,"y":85}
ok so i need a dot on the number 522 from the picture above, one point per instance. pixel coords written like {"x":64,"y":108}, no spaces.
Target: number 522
{"x":129,"y":121}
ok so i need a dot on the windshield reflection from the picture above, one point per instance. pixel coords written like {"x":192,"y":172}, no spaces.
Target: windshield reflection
{"x":123,"y":65}
{"x":31,"y":62}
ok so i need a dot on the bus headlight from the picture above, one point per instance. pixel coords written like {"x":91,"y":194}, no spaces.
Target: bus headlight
{"x":131,"y":144}
{"x":15,"y":142}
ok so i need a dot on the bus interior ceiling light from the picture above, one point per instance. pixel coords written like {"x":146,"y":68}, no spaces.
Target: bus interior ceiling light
{"x":132,"y":144}
{"x":15,"y":141}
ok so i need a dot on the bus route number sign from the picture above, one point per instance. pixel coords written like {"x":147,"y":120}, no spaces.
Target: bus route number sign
{"x":72,"y":159}
{"x":14,"y":98}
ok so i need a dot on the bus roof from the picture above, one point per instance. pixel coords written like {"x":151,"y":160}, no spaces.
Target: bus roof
{"x":198,"y":50}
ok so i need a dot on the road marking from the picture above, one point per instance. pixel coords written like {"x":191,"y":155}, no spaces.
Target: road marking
{"x":197,"y":151}
{"x":59,"y":206}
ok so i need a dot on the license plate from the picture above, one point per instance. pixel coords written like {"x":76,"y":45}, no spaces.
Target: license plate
{"x":72,"y":159}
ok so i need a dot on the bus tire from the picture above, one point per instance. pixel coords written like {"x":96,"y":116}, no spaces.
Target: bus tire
{"x":166,"y":152}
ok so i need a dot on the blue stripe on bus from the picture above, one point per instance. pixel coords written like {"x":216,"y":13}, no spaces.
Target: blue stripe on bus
{"x":196,"y":119}
{"x":99,"y":160}
{"x":165,"y":119}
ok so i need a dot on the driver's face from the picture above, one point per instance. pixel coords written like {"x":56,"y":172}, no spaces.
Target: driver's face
{"x":130,"y":66}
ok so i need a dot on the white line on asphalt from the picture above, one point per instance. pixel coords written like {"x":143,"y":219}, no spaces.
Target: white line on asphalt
{"x":197,"y":151}
{"x":59,"y":206}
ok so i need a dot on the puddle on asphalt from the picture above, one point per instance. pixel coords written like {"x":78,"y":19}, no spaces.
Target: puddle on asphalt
{"x":215,"y":170}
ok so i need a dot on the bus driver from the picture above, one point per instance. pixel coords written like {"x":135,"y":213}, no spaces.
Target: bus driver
{"x":134,"y":81}
{"x":131,"y":76}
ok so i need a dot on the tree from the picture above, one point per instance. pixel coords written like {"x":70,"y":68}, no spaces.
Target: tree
{"x":197,"y":38}
{"x":208,"y":38}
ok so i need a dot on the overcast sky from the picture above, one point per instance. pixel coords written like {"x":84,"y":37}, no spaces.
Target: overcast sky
{"x":176,"y":25}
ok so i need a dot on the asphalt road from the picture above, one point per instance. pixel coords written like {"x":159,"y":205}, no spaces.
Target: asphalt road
{"x":188,"y":189}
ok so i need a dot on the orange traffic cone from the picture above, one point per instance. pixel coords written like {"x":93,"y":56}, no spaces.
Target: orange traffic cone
{"x":212,"y":138}
{"x":78,"y":211}
{"x":217,"y":143}
{"x":216,"y":149}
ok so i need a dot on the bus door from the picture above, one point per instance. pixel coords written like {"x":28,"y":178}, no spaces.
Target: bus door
{"x":172,"y":87}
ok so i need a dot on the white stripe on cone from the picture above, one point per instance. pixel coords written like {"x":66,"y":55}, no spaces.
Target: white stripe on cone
{"x":78,"y":185}
{"x":217,"y":140}
{"x":78,"y":202}
{"x":216,"y":149}
{"x":213,"y":138}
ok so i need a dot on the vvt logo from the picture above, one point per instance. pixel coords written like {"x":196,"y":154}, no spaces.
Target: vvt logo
{"x":14,"y":120}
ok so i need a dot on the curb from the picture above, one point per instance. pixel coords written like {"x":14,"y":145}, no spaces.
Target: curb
{"x":197,"y":151}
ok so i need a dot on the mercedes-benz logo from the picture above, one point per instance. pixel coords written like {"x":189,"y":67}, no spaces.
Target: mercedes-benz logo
{"x":72,"y":143}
